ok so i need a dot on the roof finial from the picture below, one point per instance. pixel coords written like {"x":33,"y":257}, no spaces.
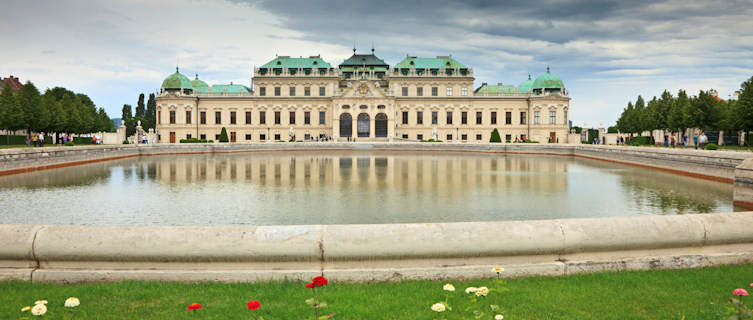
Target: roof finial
{"x":372,"y":47}
{"x":197,"y":76}
{"x":529,"y":76}
{"x":547,"y":68}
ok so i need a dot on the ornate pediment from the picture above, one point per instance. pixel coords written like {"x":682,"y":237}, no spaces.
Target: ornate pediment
{"x":363,"y":89}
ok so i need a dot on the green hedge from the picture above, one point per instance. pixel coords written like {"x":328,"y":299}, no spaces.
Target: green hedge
{"x":195,"y":140}
{"x":641,"y":141}
{"x":19,"y":140}
{"x":712,"y":146}
{"x":431,"y":140}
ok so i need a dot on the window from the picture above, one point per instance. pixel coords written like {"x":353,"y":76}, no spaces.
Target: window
{"x":420,"y":91}
{"x":307,"y":117}
{"x":263,"y":137}
{"x":321,"y":91}
{"x":464,"y":137}
{"x":262,"y":91}
{"x":552,"y":117}
{"x":478,"y":137}
{"x":277,"y":137}
{"x":188,"y":117}
{"x":565,"y":116}
{"x":449,"y":137}
{"x":479,"y":118}
{"x":262,"y":117}
{"x":449,"y":92}
{"x":508,"y":137}
{"x":434,"y":91}
{"x":405,"y":136}
{"x":232,"y":136}
{"x":277,"y":117}
{"x":307,"y":91}
{"x":464,"y":117}
{"x":449,"y":117}
{"x":419,"y":136}
{"x":405,"y":91}
{"x":248,"y":136}
{"x":217,"y":117}
{"x":292,"y":91}
{"x":248,"y":118}
{"x":508,"y":117}
{"x":536,"y":117}
{"x":405,"y":117}
{"x":463,"y":92}
{"x":203,"y":117}
{"x":307,"y":137}
{"x":292,"y":117}
{"x":232,"y":117}
{"x":322,"y":118}
{"x":203,"y":136}
{"x":277,"y":91}
{"x":494,"y":117}
{"x":419,"y":117}
{"x":522,"y":118}
{"x":217,"y":137}
{"x":434,"y":117}
{"x":188,"y":136}
{"x":159,"y":117}
{"x":172,"y":117}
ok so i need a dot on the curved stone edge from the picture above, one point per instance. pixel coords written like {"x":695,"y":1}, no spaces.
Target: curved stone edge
{"x":398,"y":251}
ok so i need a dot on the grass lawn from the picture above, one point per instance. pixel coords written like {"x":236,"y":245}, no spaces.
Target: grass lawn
{"x":667,"y":294}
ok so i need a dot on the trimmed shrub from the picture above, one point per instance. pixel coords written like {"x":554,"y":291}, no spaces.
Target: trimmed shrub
{"x":431,"y":140}
{"x":641,"y":141}
{"x":195,"y":140}
{"x":70,"y":143}
{"x":125,"y":142}
{"x":712,"y":146}
{"x":223,"y":135}
{"x":20,"y":140}
{"x":495,"y":136}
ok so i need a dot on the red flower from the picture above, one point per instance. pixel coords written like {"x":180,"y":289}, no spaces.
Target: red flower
{"x":319,"y":281}
{"x":309,"y":285}
{"x":253,"y":305}
{"x":194,"y":306}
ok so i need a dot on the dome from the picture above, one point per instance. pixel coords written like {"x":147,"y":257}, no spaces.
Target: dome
{"x":526,"y":86}
{"x":177,"y":81}
{"x":548,"y":81}
{"x":199,"y":86}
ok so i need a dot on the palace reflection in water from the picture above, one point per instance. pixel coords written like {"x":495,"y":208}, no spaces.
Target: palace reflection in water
{"x":346,"y":188}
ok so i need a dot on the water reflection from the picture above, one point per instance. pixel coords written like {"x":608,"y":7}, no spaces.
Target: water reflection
{"x":355,"y":187}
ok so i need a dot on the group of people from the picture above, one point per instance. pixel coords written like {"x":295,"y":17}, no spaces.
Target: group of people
{"x":35,"y":139}
{"x":699,"y":141}
{"x":621,"y":140}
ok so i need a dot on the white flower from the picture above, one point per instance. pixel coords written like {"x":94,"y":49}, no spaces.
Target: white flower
{"x":26,"y":308}
{"x":498,"y":269}
{"x":438,"y":307}
{"x":482,"y":291}
{"x":470,"y":289}
{"x":40,"y":302}
{"x":72,"y":302}
{"x":39,"y":310}
{"x":449,"y":287}
{"x":499,"y":317}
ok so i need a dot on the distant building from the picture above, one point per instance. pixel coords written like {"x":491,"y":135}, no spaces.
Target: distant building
{"x":12,"y":81}
{"x":715,"y":94}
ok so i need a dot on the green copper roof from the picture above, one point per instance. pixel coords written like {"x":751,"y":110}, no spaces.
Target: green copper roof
{"x":526,"y":86}
{"x":548,"y":81}
{"x":229,"y":88}
{"x":177,"y":81}
{"x":496,"y":89}
{"x":363,"y":60}
{"x":295,"y":63}
{"x":199,"y":86}
{"x":431,"y":63}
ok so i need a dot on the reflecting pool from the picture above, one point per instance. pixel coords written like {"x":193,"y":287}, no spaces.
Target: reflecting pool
{"x":348,"y":188}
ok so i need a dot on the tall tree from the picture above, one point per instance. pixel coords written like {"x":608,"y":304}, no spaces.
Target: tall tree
{"x":12,"y":116}
{"x":151,"y":112}
{"x":637,"y":123}
{"x":30,"y":101}
{"x":58,"y":118}
{"x":744,"y":110}
{"x":127,"y":117}
{"x":140,"y":108}
{"x":103,"y":121}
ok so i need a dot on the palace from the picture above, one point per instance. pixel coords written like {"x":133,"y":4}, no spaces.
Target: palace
{"x":363,"y":99}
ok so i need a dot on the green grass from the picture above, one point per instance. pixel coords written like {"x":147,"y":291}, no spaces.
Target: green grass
{"x":669,"y":294}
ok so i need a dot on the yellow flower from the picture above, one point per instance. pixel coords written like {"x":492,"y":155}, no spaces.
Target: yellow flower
{"x":499,"y":317}
{"x":438,"y":307}
{"x":498,"y":269}
{"x":40,"y":302}
{"x":26,"y":308}
{"x":470,"y":289}
{"x":39,"y":310}
{"x":449,"y":287}
{"x":72,"y":302}
{"x":482,"y":291}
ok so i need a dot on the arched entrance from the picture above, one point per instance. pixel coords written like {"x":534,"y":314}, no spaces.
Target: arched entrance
{"x":380,"y":125}
{"x":363,"y":125}
{"x":346,"y":125}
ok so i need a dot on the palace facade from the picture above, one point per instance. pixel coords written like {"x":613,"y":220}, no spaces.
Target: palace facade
{"x":363,"y":99}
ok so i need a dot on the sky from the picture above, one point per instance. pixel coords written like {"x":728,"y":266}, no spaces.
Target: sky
{"x":606,"y":52}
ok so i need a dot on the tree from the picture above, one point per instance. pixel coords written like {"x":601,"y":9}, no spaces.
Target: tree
{"x":495,"y":136}
{"x":151,"y":113}
{"x":223,"y":135}
{"x":678,"y":118}
{"x":104,"y":123}
{"x":58,"y":118}
{"x":12,"y":116}
{"x":127,"y":117}
{"x":30,"y":101}
{"x":635,"y":119}
{"x":140,"y":109}
{"x":744,"y":110}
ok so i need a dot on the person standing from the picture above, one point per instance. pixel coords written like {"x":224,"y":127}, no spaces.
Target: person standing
{"x":34,"y":140}
{"x":695,"y":142}
{"x":41,"y":139}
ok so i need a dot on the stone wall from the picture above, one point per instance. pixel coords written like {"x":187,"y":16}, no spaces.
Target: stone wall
{"x":373,"y":252}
